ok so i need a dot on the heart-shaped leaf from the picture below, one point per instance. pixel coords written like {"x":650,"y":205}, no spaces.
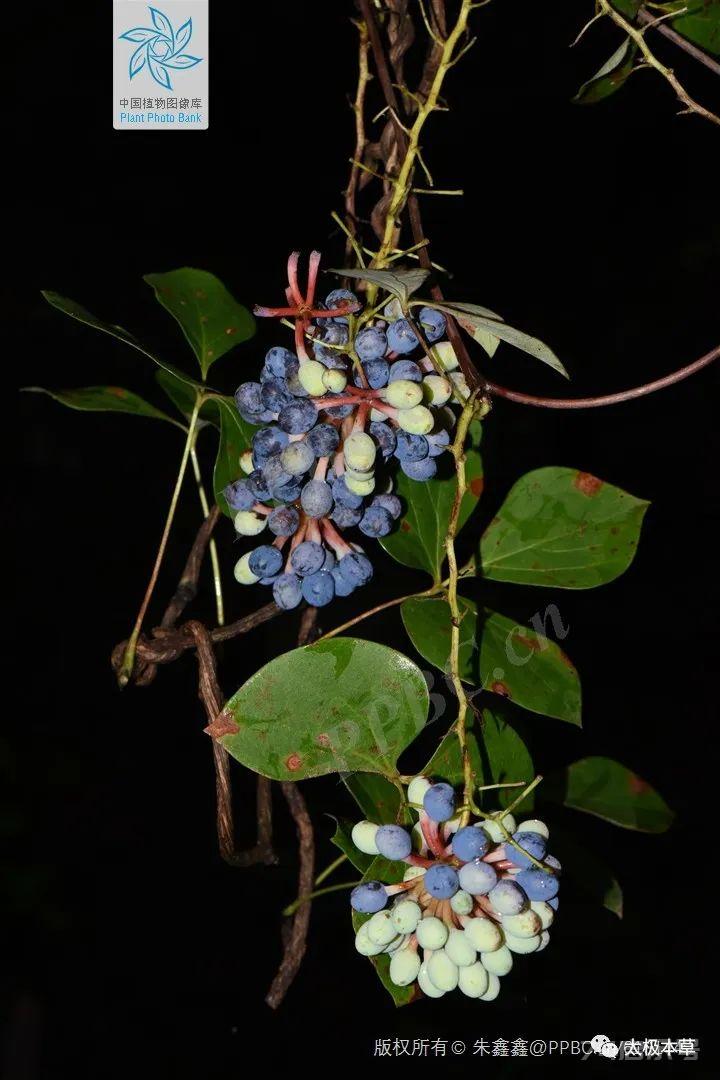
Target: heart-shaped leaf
{"x":377,"y":797}
{"x":235,"y":438}
{"x":104,"y":399}
{"x":419,"y":541}
{"x":401,"y":283}
{"x":342,"y":839}
{"x":564,"y":529}
{"x":469,"y":317}
{"x":498,"y":655}
{"x":607,"y":789}
{"x":390,"y":873}
{"x":211,"y":319}
{"x":77,"y":311}
{"x":337,"y":706}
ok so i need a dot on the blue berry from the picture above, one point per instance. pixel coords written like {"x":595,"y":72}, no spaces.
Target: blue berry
{"x":345,"y":517}
{"x":287,"y":591}
{"x":334,"y":298}
{"x":294,"y":385}
{"x":265,"y":561}
{"x":384,"y":436}
{"x":368,"y":897}
{"x":419,"y":470}
{"x":538,"y":885}
{"x":288,"y":493}
{"x":554,"y":903}
{"x":355,"y":568}
{"x":319,"y":588}
{"x":441,"y":881}
{"x":267,"y":441}
{"x":329,"y":561}
{"x":433,"y":323}
{"x":333,"y":334}
{"x":342,"y":587}
{"x":248,"y":398}
{"x":470,"y":843}
{"x":298,"y":458}
{"x":342,"y":495}
{"x":376,"y":521}
{"x":393,"y":842}
{"x":411,"y":447}
{"x":307,"y":557}
{"x":507,"y":897}
{"x":284,"y":521}
{"x":275,"y":394}
{"x":338,"y":412}
{"x":477,"y":877}
{"x":371,"y":343}
{"x":439,"y":802}
{"x":257,"y":485}
{"x":438,"y":441}
{"x":376,"y":373}
{"x":316,"y":498}
{"x":550,"y":860}
{"x":532,"y":842}
{"x":401,"y":336}
{"x":405,"y":369}
{"x":263,"y":417}
{"x":298,"y":417}
{"x":323,"y":440}
{"x":273,"y":472}
{"x":239,"y":496}
{"x":391,"y":503}
{"x":280,"y":362}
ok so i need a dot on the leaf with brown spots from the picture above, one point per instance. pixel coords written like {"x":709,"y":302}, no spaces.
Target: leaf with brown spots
{"x":562,"y":529}
{"x":211,"y":319}
{"x":607,"y":789}
{"x":103,"y":399}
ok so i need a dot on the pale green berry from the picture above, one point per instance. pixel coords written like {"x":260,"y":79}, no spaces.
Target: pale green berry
{"x":403,"y":394}
{"x":492,"y":829}
{"x":358,"y":474}
{"x":533,"y":825}
{"x":432,"y":933}
{"x":242,"y":571}
{"x":485,"y":935}
{"x":522,"y":944}
{"x":404,"y":967}
{"x":427,"y":985}
{"x":363,"y":837}
{"x":525,"y":925}
{"x":405,"y":916}
{"x":544,"y":941}
{"x":417,"y":788}
{"x":416,"y":421}
{"x":546,"y":913}
{"x":364,"y":945}
{"x":436,"y":389}
{"x":442,"y":971}
{"x":413,"y":872}
{"x":246,"y":462}
{"x":462,"y":902}
{"x":499,"y":962}
{"x":359,"y":451}
{"x":393,"y":310}
{"x":493,"y":988}
{"x":446,"y":355}
{"x":462,"y":390}
{"x":395,"y":944}
{"x":460,"y":949}
{"x":310,"y":376}
{"x":418,"y":837}
{"x":248,"y":523}
{"x":473,"y":980}
{"x":380,"y":928}
{"x":360,"y":487}
{"x":333,"y":380}
{"x":377,"y":414}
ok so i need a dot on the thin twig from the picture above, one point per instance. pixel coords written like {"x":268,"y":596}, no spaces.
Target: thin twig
{"x":187,"y":587}
{"x":360,"y":137}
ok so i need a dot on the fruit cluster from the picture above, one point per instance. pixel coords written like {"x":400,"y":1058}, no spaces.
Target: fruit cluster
{"x":347,"y":400}
{"x":469,"y":899}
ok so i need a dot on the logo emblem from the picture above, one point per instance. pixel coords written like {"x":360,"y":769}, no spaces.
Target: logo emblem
{"x":160,"y":48}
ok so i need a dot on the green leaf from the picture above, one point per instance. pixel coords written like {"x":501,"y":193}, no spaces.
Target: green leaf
{"x":563,"y":529}
{"x":104,"y":399}
{"x":342,"y":839}
{"x":76,"y":311}
{"x":606,"y":789}
{"x":211,"y":319}
{"x":611,"y":76}
{"x":390,"y":873}
{"x":377,"y":797}
{"x":337,"y":706}
{"x":470,"y":318}
{"x":701,"y":25}
{"x":498,"y":655}
{"x":401,"y":283}
{"x":184,"y":397}
{"x":419,"y":540}
{"x":235,"y":438}
{"x":588,"y":872}
{"x":498,"y":755}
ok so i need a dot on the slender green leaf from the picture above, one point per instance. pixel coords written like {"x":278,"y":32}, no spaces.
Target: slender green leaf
{"x":211,"y":319}
{"x":401,"y":283}
{"x":587,"y":871}
{"x":419,"y":540}
{"x":564,"y":529}
{"x":338,"y":706}
{"x":377,"y":797}
{"x":342,"y":839}
{"x":104,"y":399}
{"x":498,"y":655}
{"x":607,"y":789}
{"x":390,"y":873}
{"x":235,"y":438}
{"x":76,"y":311}
{"x":611,"y":76}
{"x":471,"y":320}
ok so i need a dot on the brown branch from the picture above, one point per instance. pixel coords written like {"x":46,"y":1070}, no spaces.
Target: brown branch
{"x":645,"y":19}
{"x":186,"y":590}
{"x":296,"y":936}
{"x":606,"y":399}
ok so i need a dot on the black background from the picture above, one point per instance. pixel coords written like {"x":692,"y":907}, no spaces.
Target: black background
{"x":133,"y":946}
